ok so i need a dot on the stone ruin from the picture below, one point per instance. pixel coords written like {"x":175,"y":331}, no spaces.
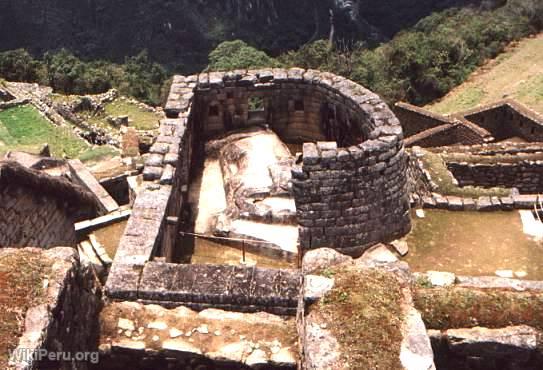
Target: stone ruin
{"x":292,"y":154}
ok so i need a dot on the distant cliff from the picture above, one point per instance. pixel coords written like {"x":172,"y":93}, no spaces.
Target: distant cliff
{"x":181,"y":33}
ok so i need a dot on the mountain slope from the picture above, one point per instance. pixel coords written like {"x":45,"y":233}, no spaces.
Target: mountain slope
{"x":517,"y":73}
{"x":184,"y":31}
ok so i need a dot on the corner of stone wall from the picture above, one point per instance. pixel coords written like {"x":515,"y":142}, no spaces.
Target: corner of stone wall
{"x":67,"y":320}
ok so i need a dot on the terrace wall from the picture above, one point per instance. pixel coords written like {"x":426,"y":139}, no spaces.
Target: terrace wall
{"x":506,"y":119}
{"x":526,"y":176}
{"x":30,"y":219}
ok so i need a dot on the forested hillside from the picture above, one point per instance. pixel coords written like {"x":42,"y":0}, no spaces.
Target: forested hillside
{"x":412,"y":50}
{"x":181,"y":33}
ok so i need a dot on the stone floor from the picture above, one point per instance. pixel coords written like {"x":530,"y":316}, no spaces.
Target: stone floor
{"x":131,"y":331}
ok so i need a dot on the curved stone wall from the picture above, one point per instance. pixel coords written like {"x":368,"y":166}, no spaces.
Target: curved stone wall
{"x":350,"y":187}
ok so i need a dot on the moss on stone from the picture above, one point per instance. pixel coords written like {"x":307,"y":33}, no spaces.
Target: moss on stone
{"x":456,"y":307}
{"x":363,"y":312}
{"x":22,"y":274}
{"x":441,"y":176}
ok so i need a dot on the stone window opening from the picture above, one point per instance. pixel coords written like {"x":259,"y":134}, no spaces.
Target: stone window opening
{"x":213,"y":110}
{"x":256,"y":104}
{"x":299,"y":105}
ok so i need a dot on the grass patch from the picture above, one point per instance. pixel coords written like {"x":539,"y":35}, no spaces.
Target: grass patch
{"x":465,"y":99}
{"x":363,"y":312}
{"x":99,"y":153}
{"x":491,"y":159}
{"x":21,"y":287}
{"x":454,"y":307}
{"x":140,"y":118}
{"x":441,"y":176}
{"x":517,"y":73}
{"x":24,"y":128}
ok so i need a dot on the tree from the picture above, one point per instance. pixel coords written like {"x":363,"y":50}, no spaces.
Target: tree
{"x":238,"y":55}
{"x":19,"y":65}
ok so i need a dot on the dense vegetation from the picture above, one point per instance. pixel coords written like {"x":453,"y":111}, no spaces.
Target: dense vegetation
{"x":180,"y":34}
{"x":66,"y":73}
{"x":418,"y":65}
{"x":424,"y":62}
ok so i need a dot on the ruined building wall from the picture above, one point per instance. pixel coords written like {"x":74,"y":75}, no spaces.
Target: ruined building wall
{"x":526,"y":176}
{"x":507,"y":119}
{"x":415,"y":120}
{"x":346,"y":198}
{"x":28,"y":219}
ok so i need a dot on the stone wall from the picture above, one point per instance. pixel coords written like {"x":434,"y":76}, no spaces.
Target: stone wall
{"x":427,"y":129}
{"x":245,"y":289}
{"x":415,"y":120}
{"x":67,"y":318}
{"x":352,"y":198}
{"x":136,"y":336}
{"x":29,"y":219}
{"x":346,"y":198}
{"x":506,"y":119}
{"x":526,"y":176}
{"x":117,"y":188}
{"x":308,"y":105}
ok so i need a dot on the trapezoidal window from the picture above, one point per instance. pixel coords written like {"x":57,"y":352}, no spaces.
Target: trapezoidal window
{"x":299,"y":105}
{"x":256,"y":104}
{"x":213,"y":110}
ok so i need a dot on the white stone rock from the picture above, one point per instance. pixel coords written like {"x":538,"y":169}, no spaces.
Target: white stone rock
{"x":521,"y":274}
{"x":420,"y":213}
{"x":401,"y":247}
{"x":378,"y":254}
{"x":416,"y":351}
{"x":158,"y":325}
{"x":180,"y":345}
{"x":505,"y":273}
{"x":257,"y":357}
{"x":232,"y":352}
{"x":283,"y":357}
{"x":441,"y":278}
{"x":126,"y":324}
{"x":316,"y":287}
{"x":203,"y":329}
{"x":174,"y":333}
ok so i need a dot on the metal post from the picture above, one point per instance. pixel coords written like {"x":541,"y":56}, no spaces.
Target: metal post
{"x":243,"y":250}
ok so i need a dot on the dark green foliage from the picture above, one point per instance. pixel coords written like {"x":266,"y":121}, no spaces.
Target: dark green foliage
{"x":66,"y":73}
{"x":19,"y":65}
{"x":423,"y":63}
{"x":237,"y":54}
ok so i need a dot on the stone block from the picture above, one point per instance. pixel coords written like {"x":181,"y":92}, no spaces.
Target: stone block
{"x":455,"y":203}
{"x":310,"y":154}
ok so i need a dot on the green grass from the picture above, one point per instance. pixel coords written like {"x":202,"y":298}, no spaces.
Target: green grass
{"x":139,"y":118}
{"x":98,"y":153}
{"x":517,"y":73}
{"x":464,"y":100}
{"x":23,"y":128}
{"x":441,"y":176}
